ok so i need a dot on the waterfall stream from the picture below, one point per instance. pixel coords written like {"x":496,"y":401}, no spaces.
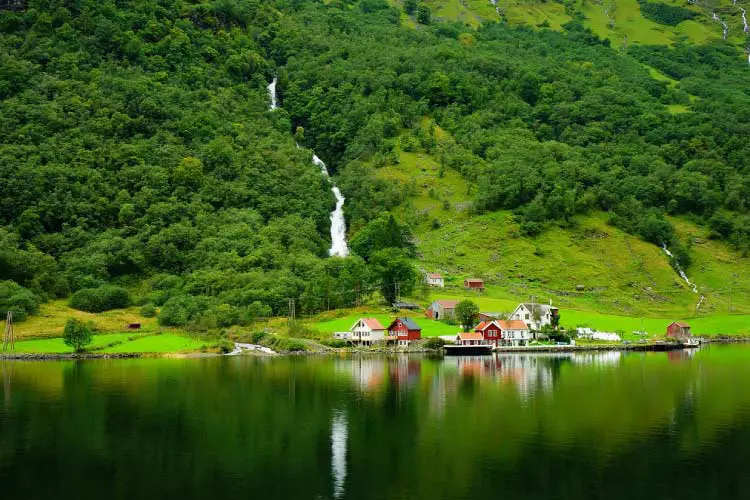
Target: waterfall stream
{"x":725,"y":28}
{"x":682,"y":274}
{"x":745,"y":27}
{"x":338,"y":222}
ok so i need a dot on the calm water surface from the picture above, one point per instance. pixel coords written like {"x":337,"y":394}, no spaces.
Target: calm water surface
{"x":610,"y":426}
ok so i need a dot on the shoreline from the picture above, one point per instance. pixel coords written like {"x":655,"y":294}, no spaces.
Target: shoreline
{"x":502,"y":350}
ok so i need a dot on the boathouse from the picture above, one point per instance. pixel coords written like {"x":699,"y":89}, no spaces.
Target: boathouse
{"x":678,"y":330}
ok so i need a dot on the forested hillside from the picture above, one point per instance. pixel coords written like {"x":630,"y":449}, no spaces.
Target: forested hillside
{"x":138,"y":150}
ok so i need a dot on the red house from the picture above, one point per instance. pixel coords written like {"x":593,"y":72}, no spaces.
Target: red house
{"x":490,"y":331}
{"x":405,"y":330}
{"x":679,"y":330}
{"x":474,"y":284}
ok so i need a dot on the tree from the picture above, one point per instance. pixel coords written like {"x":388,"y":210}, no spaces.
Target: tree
{"x":423,"y":14}
{"x":410,"y":6}
{"x":77,"y":334}
{"x":466,"y":313}
{"x":390,"y":268}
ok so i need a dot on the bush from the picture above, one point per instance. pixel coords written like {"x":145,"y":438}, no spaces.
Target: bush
{"x":225,"y":346}
{"x":148,"y":310}
{"x":17,"y":299}
{"x":335,"y":343}
{"x":666,"y":14}
{"x":258,"y":337}
{"x":100,"y":299}
{"x":77,"y":334}
{"x":434,"y":343}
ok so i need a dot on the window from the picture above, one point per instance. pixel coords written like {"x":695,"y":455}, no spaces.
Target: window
{"x":527,"y":316}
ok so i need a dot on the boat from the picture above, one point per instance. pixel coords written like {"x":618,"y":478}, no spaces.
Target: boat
{"x":466,"y":350}
{"x":691,"y":342}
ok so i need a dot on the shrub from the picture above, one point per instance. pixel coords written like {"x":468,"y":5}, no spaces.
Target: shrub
{"x":335,"y":343}
{"x":148,"y":310}
{"x":17,"y":299}
{"x":666,"y":14}
{"x":258,"y":337}
{"x":100,"y":299}
{"x":77,"y":334}
{"x":434,"y":343}
{"x":224,"y":346}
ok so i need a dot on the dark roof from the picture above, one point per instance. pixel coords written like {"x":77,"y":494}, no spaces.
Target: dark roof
{"x":406,"y":305}
{"x":408,"y":323}
{"x":539,"y":308}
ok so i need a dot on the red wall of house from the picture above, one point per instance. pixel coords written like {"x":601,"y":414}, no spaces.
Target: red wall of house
{"x":410,"y":334}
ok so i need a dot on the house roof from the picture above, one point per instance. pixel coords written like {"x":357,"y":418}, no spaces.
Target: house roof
{"x":372,"y":323}
{"x":680,"y":324}
{"x":483,"y":325}
{"x":435,"y":276}
{"x":474,"y":280}
{"x":490,"y":314}
{"x":470,"y":336}
{"x":408,"y":323}
{"x":447,"y":304}
{"x":538,"y":308}
{"x":513,"y":324}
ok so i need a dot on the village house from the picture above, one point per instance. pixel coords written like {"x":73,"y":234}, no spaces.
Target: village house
{"x":435,"y":279}
{"x":504,"y":332}
{"x":367,"y":331}
{"x":441,"y":309}
{"x":404,"y":330}
{"x":474,"y":284}
{"x":514,"y":332}
{"x":680,"y":331}
{"x":470,"y":338}
{"x":490,"y":332}
{"x":535,"y":315}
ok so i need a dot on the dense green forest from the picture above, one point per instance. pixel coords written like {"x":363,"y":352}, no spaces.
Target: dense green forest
{"x":138,"y":151}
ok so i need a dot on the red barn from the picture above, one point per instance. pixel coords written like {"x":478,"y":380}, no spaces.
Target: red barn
{"x":490,"y":331}
{"x":679,"y":330}
{"x":405,"y":330}
{"x":474,"y":284}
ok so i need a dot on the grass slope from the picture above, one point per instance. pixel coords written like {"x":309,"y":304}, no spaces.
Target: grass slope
{"x":624,"y":278}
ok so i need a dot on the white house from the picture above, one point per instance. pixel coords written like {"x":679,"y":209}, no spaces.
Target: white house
{"x":434,"y":279}
{"x":535,"y":315}
{"x":514,"y":332}
{"x":367,"y":331}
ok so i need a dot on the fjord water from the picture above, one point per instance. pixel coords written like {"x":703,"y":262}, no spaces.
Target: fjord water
{"x":610,"y":425}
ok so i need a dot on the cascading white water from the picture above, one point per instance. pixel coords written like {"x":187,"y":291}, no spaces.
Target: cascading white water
{"x":338,"y":222}
{"x":682,"y":274}
{"x":745,"y":27}
{"x":725,"y":28}
{"x":339,"y":434}
{"x":679,"y":269}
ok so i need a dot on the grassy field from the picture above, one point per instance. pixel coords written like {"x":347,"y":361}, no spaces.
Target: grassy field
{"x":430,"y":328}
{"x":125,"y":343}
{"x":50,"y":320}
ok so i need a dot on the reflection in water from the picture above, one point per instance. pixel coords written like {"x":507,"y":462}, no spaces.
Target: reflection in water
{"x":339,"y":430}
{"x":531,"y":426}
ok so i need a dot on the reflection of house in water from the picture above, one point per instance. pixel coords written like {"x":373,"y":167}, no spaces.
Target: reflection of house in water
{"x":678,"y":355}
{"x":531,"y":373}
{"x":404,"y":371}
{"x":339,"y":435}
{"x":605,"y":358}
{"x":369,"y":374}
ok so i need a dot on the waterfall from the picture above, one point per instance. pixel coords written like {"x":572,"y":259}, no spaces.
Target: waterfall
{"x":339,"y":434}
{"x":338,"y":222}
{"x":745,"y":28}
{"x":725,"y":28}
{"x":272,"y":94}
{"x":682,"y":274}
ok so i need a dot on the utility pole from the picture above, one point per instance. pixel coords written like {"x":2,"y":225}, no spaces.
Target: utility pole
{"x":292,"y":312}
{"x":398,"y":292}
{"x":9,"y":337}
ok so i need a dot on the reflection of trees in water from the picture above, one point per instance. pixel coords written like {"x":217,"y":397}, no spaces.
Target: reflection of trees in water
{"x":7,"y":370}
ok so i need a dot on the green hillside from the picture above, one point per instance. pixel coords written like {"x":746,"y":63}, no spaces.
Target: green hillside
{"x":142,"y":169}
